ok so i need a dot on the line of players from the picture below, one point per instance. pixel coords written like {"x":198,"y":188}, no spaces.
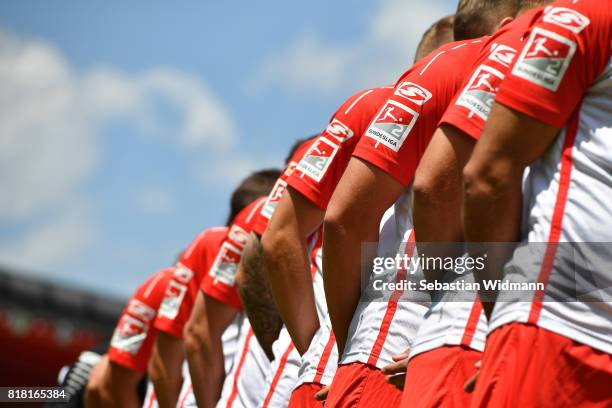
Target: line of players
{"x":501,"y":131}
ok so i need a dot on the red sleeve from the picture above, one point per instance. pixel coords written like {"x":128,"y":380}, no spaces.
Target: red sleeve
{"x":321,"y":168}
{"x":220,"y":281}
{"x":182,"y":290}
{"x":133,"y":338}
{"x":470,"y":108}
{"x":177,"y":303}
{"x":397,"y":137}
{"x":566,"y":50}
{"x":260,"y":222}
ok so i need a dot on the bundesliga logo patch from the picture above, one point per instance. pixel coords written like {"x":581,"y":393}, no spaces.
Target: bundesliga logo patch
{"x":172,"y":300}
{"x":339,"y":130}
{"x":226,"y":264}
{"x":566,"y":18}
{"x":274,"y":198}
{"x":129,"y":335}
{"x":392,"y":125}
{"x":479,"y":94}
{"x":545,"y":59}
{"x":413,"y":92}
{"x":318,"y":158}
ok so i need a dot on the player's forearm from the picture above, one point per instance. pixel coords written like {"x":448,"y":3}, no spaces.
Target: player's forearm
{"x":206,"y":367}
{"x":288,"y":269}
{"x":167,"y":388}
{"x":125,"y":396}
{"x":491,"y":214}
{"x":437,"y":197}
{"x":166,"y":375}
{"x":257,"y":297}
{"x":342,"y":277}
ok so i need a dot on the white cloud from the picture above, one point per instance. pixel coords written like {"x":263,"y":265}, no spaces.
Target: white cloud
{"x":53,"y":240}
{"x":311,"y":63}
{"x":50,"y":126}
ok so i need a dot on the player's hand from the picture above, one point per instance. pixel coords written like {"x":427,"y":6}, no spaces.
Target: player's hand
{"x":322,"y":394}
{"x":395,"y":373}
{"x":471,"y":383}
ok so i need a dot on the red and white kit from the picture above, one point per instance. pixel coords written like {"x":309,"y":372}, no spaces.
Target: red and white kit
{"x":133,"y":339}
{"x":562,"y":76}
{"x":468,"y":112}
{"x":188,"y":278}
{"x":395,"y":142}
{"x":132,"y":342}
{"x":283,"y":373}
{"x":243,"y":385}
{"x":189,"y":271}
{"x":316,"y":177}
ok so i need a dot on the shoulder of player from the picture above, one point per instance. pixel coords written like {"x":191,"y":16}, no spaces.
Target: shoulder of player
{"x":363,"y":98}
{"x":204,"y":239}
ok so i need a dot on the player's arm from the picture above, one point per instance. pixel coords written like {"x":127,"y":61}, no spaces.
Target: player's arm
{"x":165,"y":368}
{"x":287,"y":264}
{"x":353,"y":217}
{"x":493,"y":180}
{"x":256,"y":296}
{"x":437,"y":194}
{"x":204,"y":349}
{"x":112,"y":385}
{"x":95,"y":393}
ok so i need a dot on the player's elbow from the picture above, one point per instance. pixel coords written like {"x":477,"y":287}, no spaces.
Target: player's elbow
{"x":273,"y":242}
{"x":427,"y":190}
{"x":482,"y":181}
{"x":338,"y":220}
{"x":156,"y":370}
{"x":194,"y":336}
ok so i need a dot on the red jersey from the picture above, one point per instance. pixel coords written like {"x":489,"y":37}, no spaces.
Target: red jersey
{"x":396,"y":138}
{"x":188,"y":273}
{"x":395,"y":142}
{"x":322,"y":166}
{"x":262,"y":218}
{"x":470,"y":109}
{"x":133,"y":338}
{"x":220,"y":281}
{"x":562,"y":76}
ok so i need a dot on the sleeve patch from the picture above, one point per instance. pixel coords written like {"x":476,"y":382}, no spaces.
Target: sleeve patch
{"x":226,"y":264}
{"x":479,"y":94}
{"x":392,"y":125}
{"x":182,"y":273}
{"x":566,"y":18}
{"x":318,"y":158}
{"x":238,"y":235}
{"x":413,"y":92}
{"x":274,"y":198}
{"x":545,"y":59}
{"x":175,"y":293}
{"x":339,"y":130}
{"x":502,"y":54}
{"x":141,"y":310}
{"x":129,"y":335}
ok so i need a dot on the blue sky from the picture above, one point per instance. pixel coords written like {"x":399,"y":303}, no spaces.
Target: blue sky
{"x":125,"y":125}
